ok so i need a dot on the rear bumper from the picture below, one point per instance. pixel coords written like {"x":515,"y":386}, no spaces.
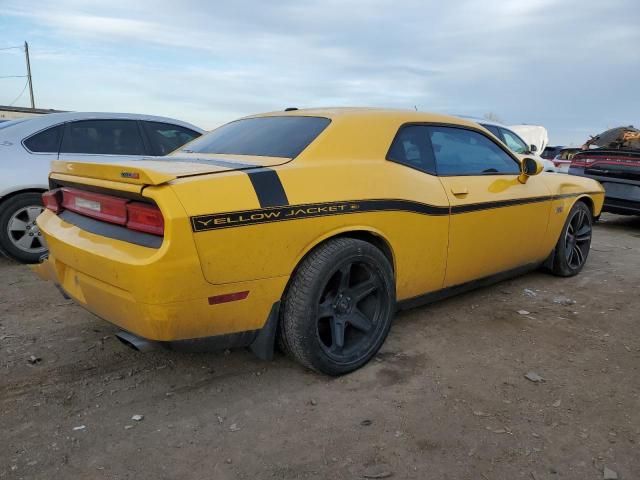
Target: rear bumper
{"x":622,"y":196}
{"x":153,"y":293}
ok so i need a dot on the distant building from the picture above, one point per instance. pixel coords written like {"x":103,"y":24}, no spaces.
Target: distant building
{"x":11,"y":113}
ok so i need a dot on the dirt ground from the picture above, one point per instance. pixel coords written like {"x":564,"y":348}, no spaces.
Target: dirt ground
{"x":446,"y":398}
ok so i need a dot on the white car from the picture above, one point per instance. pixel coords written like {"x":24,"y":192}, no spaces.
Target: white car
{"x":27,"y":147}
{"x":533,"y":135}
{"x":513,"y":141}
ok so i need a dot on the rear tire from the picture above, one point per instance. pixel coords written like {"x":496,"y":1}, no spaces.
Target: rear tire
{"x":20,"y":237}
{"x":572,"y":249}
{"x":339,"y":307}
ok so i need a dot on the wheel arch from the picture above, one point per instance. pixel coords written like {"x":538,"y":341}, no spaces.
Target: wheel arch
{"x":364,"y":233}
{"x":588,"y":201}
{"x":14,"y":193}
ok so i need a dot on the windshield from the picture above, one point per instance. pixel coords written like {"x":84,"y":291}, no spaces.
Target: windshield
{"x":283,"y":137}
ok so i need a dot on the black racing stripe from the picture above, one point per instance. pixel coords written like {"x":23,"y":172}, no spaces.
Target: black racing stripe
{"x":474,"y":207}
{"x":216,"y":221}
{"x":268,"y":187}
{"x":205,"y":161}
{"x":311,"y":210}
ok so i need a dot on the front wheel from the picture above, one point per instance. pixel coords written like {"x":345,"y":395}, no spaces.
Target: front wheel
{"x":20,"y":237}
{"x":339,"y":306}
{"x":573,"y":246}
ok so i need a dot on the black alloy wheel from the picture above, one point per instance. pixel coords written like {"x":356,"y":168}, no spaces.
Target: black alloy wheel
{"x":572,"y":249}
{"x":349,"y":311}
{"x":578,"y":239}
{"x":338,"y":308}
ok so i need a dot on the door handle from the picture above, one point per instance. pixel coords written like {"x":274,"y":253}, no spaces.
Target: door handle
{"x":459,"y":190}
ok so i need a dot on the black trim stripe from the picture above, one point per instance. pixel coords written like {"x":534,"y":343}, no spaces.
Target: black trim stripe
{"x":201,"y":223}
{"x":310,"y":210}
{"x":265,"y":181}
{"x":268,"y":187}
{"x":110,"y":230}
{"x":474,"y":207}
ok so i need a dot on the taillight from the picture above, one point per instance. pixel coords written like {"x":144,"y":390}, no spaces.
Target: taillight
{"x":579,"y":161}
{"x":52,"y":200}
{"x":96,"y":205}
{"x":121,"y":211}
{"x":145,"y":218}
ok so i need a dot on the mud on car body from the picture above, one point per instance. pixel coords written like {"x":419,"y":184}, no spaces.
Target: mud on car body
{"x":308,"y":228}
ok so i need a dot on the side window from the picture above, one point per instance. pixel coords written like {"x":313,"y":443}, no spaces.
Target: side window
{"x":459,"y":151}
{"x":165,"y":138}
{"x":106,"y":137}
{"x":493,"y":129}
{"x":514,"y":142}
{"x":412,"y":148}
{"x":47,"y":141}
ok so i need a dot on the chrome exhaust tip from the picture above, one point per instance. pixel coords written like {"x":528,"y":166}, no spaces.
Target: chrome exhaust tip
{"x":137,"y":343}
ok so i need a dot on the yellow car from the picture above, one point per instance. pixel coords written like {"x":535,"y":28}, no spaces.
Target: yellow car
{"x":307,"y":227}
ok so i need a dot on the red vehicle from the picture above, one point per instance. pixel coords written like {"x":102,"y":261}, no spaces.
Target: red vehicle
{"x":616,"y":166}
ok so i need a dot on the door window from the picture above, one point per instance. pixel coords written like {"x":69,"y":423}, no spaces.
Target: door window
{"x":103,"y":137}
{"x":460,"y":151}
{"x":47,"y":141}
{"x":165,"y":137}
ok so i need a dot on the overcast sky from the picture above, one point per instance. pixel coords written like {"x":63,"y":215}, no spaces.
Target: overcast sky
{"x":570,"y":65}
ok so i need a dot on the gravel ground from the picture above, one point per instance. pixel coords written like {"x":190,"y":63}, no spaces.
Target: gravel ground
{"x":446,"y":398}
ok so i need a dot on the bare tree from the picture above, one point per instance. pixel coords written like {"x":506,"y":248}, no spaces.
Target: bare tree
{"x":493,"y":117}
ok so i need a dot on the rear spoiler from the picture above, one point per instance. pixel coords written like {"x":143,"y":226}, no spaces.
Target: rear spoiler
{"x":125,"y":173}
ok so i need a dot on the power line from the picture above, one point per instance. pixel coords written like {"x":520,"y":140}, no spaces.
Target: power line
{"x":15,"y":76}
{"x":21,"y":93}
{"x":11,"y":48}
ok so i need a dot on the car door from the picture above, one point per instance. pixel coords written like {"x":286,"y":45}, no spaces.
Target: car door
{"x":164,"y":138}
{"x":421,"y":253}
{"x":497,"y":223}
{"x":102,"y":141}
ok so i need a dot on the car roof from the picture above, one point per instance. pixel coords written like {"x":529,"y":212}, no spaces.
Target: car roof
{"x":35,"y":124}
{"x":484,"y":121}
{"x":403,"y":115}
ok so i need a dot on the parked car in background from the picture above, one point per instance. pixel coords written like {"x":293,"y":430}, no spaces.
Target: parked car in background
{"x":513,"y":141}
{"x":310,"y":225}
{"x":533,"y":135}
{"x":27,"y":147}
{"x":563,"y":159}
{"x":615,"y":163}
{"x":549,"y":153}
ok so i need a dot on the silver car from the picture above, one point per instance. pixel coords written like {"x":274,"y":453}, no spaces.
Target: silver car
{"x":28,"y":146}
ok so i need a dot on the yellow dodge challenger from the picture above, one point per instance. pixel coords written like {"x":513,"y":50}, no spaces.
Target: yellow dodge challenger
{"x":308,"y":229}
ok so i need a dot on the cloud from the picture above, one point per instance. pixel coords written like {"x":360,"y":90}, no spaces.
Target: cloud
{"x":570,"y":65}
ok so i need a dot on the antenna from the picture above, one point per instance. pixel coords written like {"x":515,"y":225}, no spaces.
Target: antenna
{"x":26,"y":53}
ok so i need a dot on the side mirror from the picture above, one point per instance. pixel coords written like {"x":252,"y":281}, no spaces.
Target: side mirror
{"x":528,"y":168}
{"x":533,"y":148}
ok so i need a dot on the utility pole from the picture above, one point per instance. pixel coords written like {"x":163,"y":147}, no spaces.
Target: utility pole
{"x":26,"y":53}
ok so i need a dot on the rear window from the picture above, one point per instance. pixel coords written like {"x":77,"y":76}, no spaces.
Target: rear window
{"x":283,"y":137}
{"x":47,"y":141}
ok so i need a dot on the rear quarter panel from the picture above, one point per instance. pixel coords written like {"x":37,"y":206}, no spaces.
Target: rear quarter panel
{"x":418,"y":242}
{"x":567,"y":190}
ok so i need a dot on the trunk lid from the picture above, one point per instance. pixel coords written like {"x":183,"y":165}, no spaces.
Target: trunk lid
{"x":159,"y":170}
{"x":615,"y":164}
